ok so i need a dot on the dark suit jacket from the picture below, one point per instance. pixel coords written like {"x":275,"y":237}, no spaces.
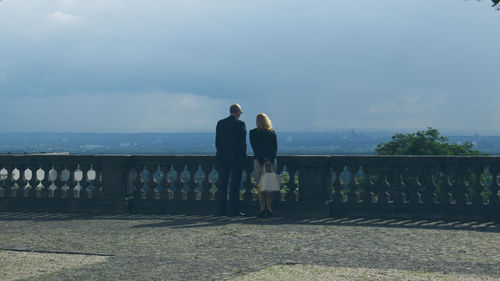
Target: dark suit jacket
{"x":231,"y":140}
{"x":264,"y":145}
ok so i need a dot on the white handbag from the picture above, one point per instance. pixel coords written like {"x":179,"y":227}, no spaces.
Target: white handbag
{"x":269,"y":181}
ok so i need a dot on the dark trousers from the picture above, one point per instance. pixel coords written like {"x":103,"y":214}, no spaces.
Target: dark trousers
{"x":235,"y":170}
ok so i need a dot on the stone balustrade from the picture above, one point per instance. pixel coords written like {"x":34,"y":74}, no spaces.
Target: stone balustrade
{"x":316,"y":186}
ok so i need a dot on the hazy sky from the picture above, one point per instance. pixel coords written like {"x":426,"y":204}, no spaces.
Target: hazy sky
{"x":173,"y":66}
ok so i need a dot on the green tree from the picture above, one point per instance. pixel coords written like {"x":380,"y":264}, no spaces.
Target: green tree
{"x":427,"y":142}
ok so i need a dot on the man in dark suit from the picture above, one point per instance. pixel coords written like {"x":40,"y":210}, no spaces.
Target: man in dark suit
{"x":231,"y":144}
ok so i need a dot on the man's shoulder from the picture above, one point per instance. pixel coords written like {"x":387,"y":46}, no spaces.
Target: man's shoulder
{"x":231,"y":120}
{"x":223,"y":120}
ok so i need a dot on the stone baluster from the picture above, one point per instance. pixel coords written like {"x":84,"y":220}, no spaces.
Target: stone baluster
{"x":333,"y":179}
{"x":15,"y":175}
{"x":52,"y":178}
{"x":158,"y":178}
{"x":397,"y":185}
{"x":77,"y":177}
{"x":64,"y":177}
{"x":185,"y":178}
{"x":213,"y":180}
{"x":59,"y":182}
{"x":352,"y":197}
{"x":40,"y":177}
{"x":345,"y":180}
{"x":205,"y":196}
{"x":199,"y":179}
{"x":414,"y":186}
{"x":144,"y":177}
{"x":91,"y":177}
{"x":477,"y":186}
{"x":494,"y":199}
{"x":337,"y":198}
{"x":447,"y":185}
{"x":368,"y":185}
{"x":4,"y":174}
{"x":27,"y":177}
{"x":71,"y":168}
{"x":383,"y":186}
{"x":172,"y":179}
{"x":84,"y":192}
{"x":293,"y":184}
{"x":179,"y":193}
{"x":429,"y":196}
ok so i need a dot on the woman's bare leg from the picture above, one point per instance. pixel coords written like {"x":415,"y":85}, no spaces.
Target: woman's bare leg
{"x":261,"y":200}
{"x":269,"y":200}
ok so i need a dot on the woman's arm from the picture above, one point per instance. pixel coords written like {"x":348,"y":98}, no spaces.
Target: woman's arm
{"x":252,"y":142}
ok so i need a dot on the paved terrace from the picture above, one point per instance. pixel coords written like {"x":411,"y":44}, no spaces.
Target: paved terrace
{"x":137,"y":247}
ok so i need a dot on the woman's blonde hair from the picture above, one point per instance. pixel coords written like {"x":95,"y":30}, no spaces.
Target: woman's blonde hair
{"x":263,"y":122}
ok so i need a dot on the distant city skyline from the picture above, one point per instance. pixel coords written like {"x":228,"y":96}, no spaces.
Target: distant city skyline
{"x":345,"y":142}
{"x":176,"y":66}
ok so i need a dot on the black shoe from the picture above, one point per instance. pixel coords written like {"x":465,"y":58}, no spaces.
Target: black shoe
{"x":269,"y":213}
{"x":262,"y":214}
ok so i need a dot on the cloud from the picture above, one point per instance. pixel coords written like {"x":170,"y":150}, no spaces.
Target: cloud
{"x":406,"y":105}
{"x":67,"y":3}
{"x":115,"y":112}
{"x":61,"y":17}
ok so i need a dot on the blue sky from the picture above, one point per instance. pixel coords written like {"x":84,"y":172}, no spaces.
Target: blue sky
{"x":175,"y":66}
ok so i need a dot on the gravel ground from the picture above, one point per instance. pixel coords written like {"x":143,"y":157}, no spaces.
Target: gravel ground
{"x":17,"y":265}
{"x":214,"y":248}
{"x":323,"y":273}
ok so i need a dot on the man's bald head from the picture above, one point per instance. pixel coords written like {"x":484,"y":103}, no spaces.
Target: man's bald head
{"x":235,"y":110}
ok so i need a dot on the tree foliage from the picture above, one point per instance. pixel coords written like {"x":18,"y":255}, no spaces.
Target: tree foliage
{"x":427,"y":142}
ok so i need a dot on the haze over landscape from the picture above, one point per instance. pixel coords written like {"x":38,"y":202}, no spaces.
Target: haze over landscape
{"x":341,"y":142}
{"x":105,"y":66}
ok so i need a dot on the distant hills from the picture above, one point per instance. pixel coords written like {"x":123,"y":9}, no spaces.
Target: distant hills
{"x":344,"y":142}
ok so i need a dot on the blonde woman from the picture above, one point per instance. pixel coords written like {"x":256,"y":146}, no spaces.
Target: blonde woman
{"x":265,"y":146}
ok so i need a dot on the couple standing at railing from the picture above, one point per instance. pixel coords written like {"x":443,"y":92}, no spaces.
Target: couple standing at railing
{"x":230,"y":141}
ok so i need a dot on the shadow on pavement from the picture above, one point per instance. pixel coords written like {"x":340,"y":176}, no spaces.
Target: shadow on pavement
{"x":196,"y":221}
{"x":444,"y":224}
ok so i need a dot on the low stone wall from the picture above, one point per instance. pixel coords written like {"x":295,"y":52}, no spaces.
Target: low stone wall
{"x":313,"y":186}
